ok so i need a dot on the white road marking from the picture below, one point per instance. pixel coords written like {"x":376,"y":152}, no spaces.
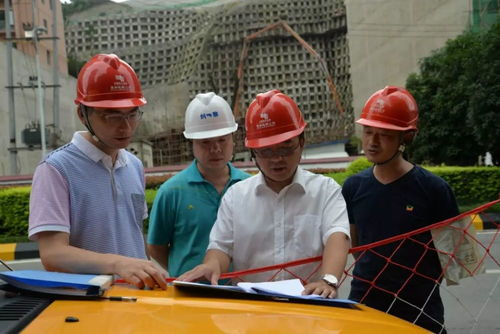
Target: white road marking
{"x":487,"y":232}
{"x":492,"y":271}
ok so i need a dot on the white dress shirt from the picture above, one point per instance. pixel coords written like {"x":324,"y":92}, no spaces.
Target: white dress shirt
{"x":257,"y":227}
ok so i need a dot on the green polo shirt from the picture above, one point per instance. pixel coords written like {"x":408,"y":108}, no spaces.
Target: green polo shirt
{"x":183,"y":213}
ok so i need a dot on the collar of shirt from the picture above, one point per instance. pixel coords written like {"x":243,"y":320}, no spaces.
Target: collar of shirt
{"x":298,"y":182}
{"x":194,"y":174}
{"x":95,"y":154}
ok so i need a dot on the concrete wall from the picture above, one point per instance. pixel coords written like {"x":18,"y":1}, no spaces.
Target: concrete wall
{"x":162,"y":112}
{"x":26,"y":110}
{"x":388,"y":37}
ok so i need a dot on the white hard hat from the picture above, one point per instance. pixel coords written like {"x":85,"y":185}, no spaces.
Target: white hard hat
{"x":208,"y":115}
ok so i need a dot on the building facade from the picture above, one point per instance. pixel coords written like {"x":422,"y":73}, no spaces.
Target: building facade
{"x":45,"y":14}
{"x":20,"y":118}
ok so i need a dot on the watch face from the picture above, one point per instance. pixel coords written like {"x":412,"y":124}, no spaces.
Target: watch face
{"x":331,"y":280}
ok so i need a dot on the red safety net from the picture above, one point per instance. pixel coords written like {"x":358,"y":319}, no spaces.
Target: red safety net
{"x":462,"y":254}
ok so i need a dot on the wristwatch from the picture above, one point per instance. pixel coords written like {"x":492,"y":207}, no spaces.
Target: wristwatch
{"x":331,"y":280}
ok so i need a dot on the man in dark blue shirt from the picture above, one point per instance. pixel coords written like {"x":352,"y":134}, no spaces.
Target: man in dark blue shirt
{"x":391,"y":198}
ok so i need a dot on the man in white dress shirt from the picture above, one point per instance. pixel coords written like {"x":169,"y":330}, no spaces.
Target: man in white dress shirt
{"x":283,"y":213}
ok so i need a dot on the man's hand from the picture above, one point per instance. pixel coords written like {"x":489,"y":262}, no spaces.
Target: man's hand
{"x":320,"y":288}
{"x":205,"y":270}
{"x":57,"y":255}
{"x":141,"y":273}
{"x":215,"y":263}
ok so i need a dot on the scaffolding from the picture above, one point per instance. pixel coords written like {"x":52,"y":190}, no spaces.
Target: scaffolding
{"x":201,"y":48}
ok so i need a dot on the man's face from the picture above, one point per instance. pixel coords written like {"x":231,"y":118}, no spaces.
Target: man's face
{"x":379,"y":144}
{"x":114,"y":127}
{"x":279,"y":162}
{"x":213,"y":153}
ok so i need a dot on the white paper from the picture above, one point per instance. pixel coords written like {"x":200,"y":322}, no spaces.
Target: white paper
{"x":291,"y":287}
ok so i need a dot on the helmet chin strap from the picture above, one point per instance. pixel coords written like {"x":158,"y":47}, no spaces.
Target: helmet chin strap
{"x":87,"y":124}
{"x":400,"y":150}
{"x":260,"y":169}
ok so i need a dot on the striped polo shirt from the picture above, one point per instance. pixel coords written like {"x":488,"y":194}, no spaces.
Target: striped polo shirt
{"x":77,"y":190}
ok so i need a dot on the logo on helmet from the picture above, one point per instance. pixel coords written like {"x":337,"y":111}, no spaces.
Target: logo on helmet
{"x":265,"y":122}
{"x":120,"y":84}
{"x":212,"y":114}
{"x":378,"y":106}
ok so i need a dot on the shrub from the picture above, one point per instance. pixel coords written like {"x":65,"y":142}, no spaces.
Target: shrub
{"x":339,"y":177}
{"x":14,"y":211}
{"x":150,"y":197}
{"x":358,"y":165}
{"x":471,"y":184}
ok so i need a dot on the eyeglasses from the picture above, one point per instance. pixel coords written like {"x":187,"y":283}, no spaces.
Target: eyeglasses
{"x":268,"y":153}
{"x":117,"y":117}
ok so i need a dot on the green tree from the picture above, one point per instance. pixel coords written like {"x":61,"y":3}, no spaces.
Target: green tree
{"x":74,"y":65}
{"x":457,"y":93}
{"x":90,"y":32}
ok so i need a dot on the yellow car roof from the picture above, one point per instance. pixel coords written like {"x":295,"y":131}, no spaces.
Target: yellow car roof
{"x":175,"y":311}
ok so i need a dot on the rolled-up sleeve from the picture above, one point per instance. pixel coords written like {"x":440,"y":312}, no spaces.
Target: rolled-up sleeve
{"x":335,"y":217}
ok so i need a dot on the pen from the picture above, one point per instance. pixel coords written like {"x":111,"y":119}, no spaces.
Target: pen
{"x":6,"y":265}
{"x":120,"y":298}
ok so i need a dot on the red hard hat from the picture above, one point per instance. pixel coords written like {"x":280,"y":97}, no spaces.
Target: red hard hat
{"x":106,"y":81}
{"x":392,"y":108}
{"x":272,"y":118}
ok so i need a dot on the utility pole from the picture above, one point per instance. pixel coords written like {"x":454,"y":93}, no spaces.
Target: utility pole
{"x":55,"y":68}
{"x":36,"y":31}
{"x":10,"y":81}
{"x":30,"y":135}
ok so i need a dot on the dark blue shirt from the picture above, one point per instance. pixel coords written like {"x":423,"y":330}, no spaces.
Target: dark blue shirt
{"x":379,"y":211}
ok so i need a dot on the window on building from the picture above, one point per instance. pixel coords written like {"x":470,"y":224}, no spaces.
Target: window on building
{"x":49,"y":59}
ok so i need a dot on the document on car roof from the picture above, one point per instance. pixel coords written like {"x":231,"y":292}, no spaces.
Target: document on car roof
{"x":286,"y":289}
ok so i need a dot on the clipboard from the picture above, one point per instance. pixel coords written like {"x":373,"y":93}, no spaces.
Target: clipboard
{"x":257,"y":293}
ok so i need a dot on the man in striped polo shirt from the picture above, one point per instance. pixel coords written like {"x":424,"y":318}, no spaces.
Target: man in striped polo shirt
{"x":87,"y":201}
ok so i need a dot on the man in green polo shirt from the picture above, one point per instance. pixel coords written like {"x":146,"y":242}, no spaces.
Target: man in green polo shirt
{"x":185,"y":207}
